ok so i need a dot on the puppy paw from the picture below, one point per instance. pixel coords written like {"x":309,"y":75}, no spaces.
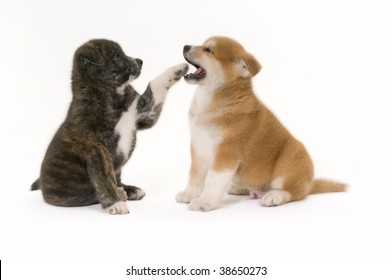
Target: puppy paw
{"x":256,"y":194}
{"x":161,"y":84}
{"x":274,"y":198}
{"x":121,"y":193}
{"x":137,"y":194}
{"x":178,"y":71}
{"x":235,"y":190}
{"x":201,"y":205}
{"x":172,"y":75}
{"x":118,"y":208}
{"x":185,"y":197}
{"x":133,"y":193}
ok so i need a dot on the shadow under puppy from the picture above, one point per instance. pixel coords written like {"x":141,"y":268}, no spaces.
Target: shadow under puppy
{"x":82,"y":165}
{"x":237,"y":144}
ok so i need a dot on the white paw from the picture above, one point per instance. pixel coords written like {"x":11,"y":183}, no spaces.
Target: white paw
{"x":139,"y":194}
{"x":176,"y":72}
{"x":185,"y":197}
{"x":173,"y":74}
{"x":201,"y":205}
{"x":120,"y":207}
{"x":161,"y":84}
{"x":274,"y":198}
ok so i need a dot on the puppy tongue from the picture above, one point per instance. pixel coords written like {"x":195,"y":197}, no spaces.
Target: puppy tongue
{"x":198,"y":71}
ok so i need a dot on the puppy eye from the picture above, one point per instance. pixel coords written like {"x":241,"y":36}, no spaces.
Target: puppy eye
{"x":208,"y":50}
{"x":116,"y":56}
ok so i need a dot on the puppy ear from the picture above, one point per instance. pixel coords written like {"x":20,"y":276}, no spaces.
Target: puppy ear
{"x":84,"y":60}
{"x":247,"y":65}
{"x":242,"y":68}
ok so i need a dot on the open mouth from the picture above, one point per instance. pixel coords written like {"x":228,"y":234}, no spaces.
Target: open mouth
{"x":199,"y":74}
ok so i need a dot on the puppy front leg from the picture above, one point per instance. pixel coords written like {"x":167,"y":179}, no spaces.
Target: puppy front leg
{"x":103,"y":178}
{"x":197,"y":177}
{"x":216,"y":184}
{"x":149,"y":105}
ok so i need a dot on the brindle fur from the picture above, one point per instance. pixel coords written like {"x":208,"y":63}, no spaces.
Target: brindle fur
{"x":82,"y":165}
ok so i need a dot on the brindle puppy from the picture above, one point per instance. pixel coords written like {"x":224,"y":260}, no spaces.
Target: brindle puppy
{"x":82,"y":165}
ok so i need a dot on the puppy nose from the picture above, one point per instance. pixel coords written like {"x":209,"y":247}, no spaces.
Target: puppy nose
{"x":139,"y":62}
{"x":186,"y":48}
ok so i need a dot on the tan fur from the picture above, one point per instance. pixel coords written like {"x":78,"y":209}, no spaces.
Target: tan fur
{"x":324,"y":186}
{"x":253,"y":141}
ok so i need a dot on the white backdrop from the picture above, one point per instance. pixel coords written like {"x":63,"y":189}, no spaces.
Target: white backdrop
{"x":326,"y":75}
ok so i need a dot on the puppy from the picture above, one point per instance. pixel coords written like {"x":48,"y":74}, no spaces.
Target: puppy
{"x":237,"y":144}
{"x":82,"y":165}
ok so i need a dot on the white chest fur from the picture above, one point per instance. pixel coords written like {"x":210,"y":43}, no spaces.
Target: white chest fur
{"x":125,"y":128}
{"x":205,"y":137}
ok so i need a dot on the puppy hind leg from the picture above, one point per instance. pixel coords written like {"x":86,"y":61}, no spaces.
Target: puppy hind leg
{"x":275,"y":198}
{"x":130,"y":192}
{"x":71,"y":201}
{"x":283,"y":192}
{"x":237,"y":190}
{"x":133,"y":193}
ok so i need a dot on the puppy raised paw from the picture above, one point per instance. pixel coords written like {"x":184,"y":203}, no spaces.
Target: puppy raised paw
{"x":118,"y":208}
{"x":163,"y":82}
{"x":179,"y":71}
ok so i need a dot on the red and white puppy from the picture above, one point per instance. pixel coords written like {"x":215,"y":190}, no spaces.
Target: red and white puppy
{"x":237,"y":144}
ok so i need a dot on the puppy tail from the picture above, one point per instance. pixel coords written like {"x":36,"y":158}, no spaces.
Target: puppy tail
{"x":35,"y":186}
{"x":325,"y":186}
